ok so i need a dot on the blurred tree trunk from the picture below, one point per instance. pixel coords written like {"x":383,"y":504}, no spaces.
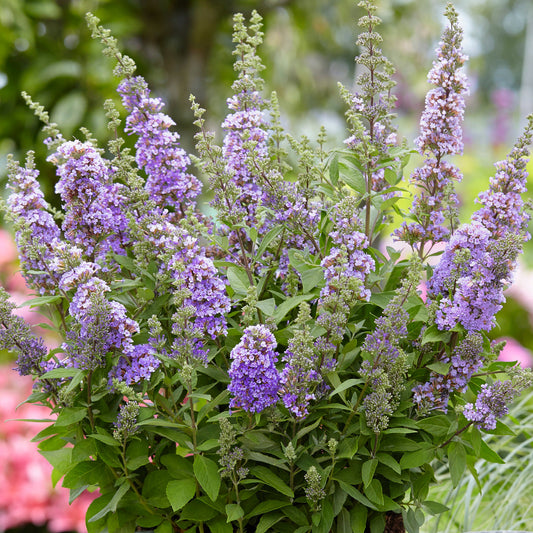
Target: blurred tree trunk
{"x":178,"y":38}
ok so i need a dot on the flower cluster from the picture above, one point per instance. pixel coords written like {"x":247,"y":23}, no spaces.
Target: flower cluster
{"x":94,"y":206}
{"x":202,"y":294}
{"x":503,"y":208}
{"x":385,"y":363}
{"x":491,"y":404}
{"x":465,"y":360}
{"x":245,"y":147}
{"x":301,"y":375}
{"x":157,"y":148}
{"x":254,"y":378}
{"x":347,"y":258}
{"x":37,"y":232}
{"x":440,"y":136}
{"x":101,"y":326}
{"x":479,"y":260}
{"x":16,"y":335}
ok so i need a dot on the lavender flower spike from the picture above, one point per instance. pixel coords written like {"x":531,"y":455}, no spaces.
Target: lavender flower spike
{"x":37,"y":232}
{"x":503,"y":207}
{"x":254,"y":379}
{"x":492,"y":402}
{"x":440,"y":136}
{"x":16,"y":336}
{"x":479,"y":260}
{"x":158,"y":150}
{"x":94,"y":205}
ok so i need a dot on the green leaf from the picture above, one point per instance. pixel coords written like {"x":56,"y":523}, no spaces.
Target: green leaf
{"x":312,"y":279}
{"x":70,"y":415}
{"x":60,"y":373}
{"x":356,"y":495}
{"x":266,"y":507}
{"x":440,"y":368}
{"x":358,"y":516}
{"x":348,"y":448}
{"x":155,"y":488}
{"x":295,"y":515}
{"x":308,"y":428}
{"x":417,"y":458}
{"x":369,"y":467}
{"x":267,"y":239}
{"x":474,"y":436}
{"x":343,"y":522}
{"x":457,"y":462}
{"x":180,"y":492}
{"x":234,"y":512}
{"x":352,"y":177}
{"x":137,"y":454}
{"x":346,"y":385}
{"x":374,"y":492}
{"x":289,"y":304}
{"x":85,"y":473}
{"x":381,"y":299}
{"x":433,"y":334}
{"x":389,"y":461}
{"x":267,"y":306}
{"x":334,"y":170}
{"x":93,"y":526}
{"x":198,"y":511}
{"x":326,"y":517}
{"x":165,"y":527}
{"x":41,"y":300}
{"x":391,"y":177}
{"x":437,"y":426}
{"x":61,"y":459}
{"x":111,"y":507}
{"x":179,"y":467}
{"x":106,"y":439}
{"x":410,"y":521}
{"x":238,"y":279}
{"x":489,"y":454}
{"x":206,"y":472}
{"x":219,"y":525}
{"x":501,"y":429}
{"x":435,"y":508}
{"x":267,"y":521}
{"x":267,"y":476}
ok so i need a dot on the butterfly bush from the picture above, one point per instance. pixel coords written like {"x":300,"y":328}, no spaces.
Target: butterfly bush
{"x":236,"y":352}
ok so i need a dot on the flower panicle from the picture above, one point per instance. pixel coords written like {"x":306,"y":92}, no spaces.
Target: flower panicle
{"x":434,"y":209}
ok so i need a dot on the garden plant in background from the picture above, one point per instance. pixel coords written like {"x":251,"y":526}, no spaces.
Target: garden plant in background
{"x":262,"y":365}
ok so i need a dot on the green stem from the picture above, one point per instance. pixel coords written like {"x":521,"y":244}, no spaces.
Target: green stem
{"x":89,"y":399}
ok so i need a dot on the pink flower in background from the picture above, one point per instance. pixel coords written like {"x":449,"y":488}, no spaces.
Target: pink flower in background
{"x":27,"y":495}
{"x":8,"y":250}
{"x":514,"y":351}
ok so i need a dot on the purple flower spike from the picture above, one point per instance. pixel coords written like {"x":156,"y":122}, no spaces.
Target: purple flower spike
{"x":440,"y":136}
{"x":94,"y":205}
{"x":138,"y":365}
{"x":158,"y":150}
{"x":27,"y":202}
{"x":491,"y":404}
{"x":254,"y":379}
